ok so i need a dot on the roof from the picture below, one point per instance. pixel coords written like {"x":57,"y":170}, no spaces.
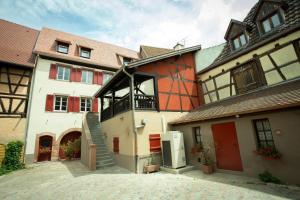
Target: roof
{"x":148,"y":51}
{"x":275,"y":97}
{"x":292,"y":22}
{"x":103,"y":54}
{"x":141,"y":62}
{"x":17,"y":43}
{"x":206,"y":56}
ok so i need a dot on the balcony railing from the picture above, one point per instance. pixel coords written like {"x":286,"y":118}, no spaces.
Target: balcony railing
{"x":122,"y":105}
{"x":145,"y":102}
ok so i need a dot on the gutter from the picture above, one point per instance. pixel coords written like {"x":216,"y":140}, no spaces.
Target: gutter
{"x":133,"y":119}
{"x":29,"y":105}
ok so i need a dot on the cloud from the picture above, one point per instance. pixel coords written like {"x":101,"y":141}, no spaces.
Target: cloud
{"x":130,"y":23}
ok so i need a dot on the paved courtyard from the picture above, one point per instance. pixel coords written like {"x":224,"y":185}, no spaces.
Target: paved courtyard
{"x":71,"y":180}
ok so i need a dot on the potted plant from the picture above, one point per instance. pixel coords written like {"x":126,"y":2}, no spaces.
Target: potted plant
{"x":207,"y":164}
{"x":68,"y":150}
{"x":268,"y":153}
{"x":196,"y":149}
{"x":151,"y":166}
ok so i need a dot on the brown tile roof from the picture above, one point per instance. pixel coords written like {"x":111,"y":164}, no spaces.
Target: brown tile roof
{"x":17,"y":43}
{"x":292,"y":22}
{"x":280,"y":96}
{"x":103,"y":54}
{"x":148,"y":51}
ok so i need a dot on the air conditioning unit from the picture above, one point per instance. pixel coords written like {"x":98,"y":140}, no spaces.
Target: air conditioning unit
{"x":173,"y":149}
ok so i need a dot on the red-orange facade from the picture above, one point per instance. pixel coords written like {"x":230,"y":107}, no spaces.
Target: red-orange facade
{"x":176,"y":82}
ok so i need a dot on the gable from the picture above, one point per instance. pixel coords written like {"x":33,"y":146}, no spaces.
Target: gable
{"x":234,"y":30}
{"x":265,"y":8}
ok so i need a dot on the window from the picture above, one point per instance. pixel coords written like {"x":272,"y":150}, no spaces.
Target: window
{"x":85,"y":52}
{"x":106,"y":77}
{"x":126,"y":60}
{"x":61,"y":103}
{"x":239,"y":41}
{"x":271,"y":22}
{"x":62,"y":47}
{"x":197,"y":135}
{"x":87,"y":77}
{"x":247,"y":77}
{"x":263,"y":133}
{"x":63,"y":73}
{"x":85,"y":104}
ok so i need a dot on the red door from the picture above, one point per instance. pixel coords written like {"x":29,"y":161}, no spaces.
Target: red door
{"x":227,"y":146}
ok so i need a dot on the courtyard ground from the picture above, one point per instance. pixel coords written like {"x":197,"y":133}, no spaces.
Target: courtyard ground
{"x":71,"y":180}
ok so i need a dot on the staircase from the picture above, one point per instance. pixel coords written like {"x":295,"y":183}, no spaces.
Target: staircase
{"x":103,"y":157}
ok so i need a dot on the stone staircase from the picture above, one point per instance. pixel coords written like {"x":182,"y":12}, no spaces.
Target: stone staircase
{"x":103,"y":157}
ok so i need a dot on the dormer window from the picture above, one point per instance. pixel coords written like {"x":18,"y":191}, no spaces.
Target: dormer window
{"x":271,"y":22}
{"x":62,"y":47}
{"x":126,"y":60}
{"x":239,"y":41}
{"x":85,"y":52}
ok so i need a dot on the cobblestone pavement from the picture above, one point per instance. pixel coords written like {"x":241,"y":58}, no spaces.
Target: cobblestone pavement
{"x":71,"y":180}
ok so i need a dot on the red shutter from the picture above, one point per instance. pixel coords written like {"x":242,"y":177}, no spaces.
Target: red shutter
{"x":70,"y":104}
{"x":116,"y":144}
{"x":95,"y":105}
{"x":76,"y":107}
{"x":78,"y":75}
{"x":95,"y":81}
{"x":53,"y":71}
{"x":73,"y":74}
{"x":154,"y":140}
{"x":100,"y":78}
{"x":49,"y":103}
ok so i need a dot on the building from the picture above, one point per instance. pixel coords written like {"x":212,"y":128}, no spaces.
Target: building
{"x":252,"y":95}
{"x":16,"y":66}
{"x":69,"y":70}
{"x":141,"y":98}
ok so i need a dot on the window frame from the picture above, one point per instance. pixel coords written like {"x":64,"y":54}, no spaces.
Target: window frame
{"x":238,"y":38}
{"x":87,"y":72}
{"x":269,"y":19}
{"x":260,"y":141}
{"x":195,"y":134}
{"x":60,"y":104}
{"x":62,"y":44}
{"x":84,"y":49}
{"x":64,"y":70}
{"x":128,"y":60}
{"x":104,"y":77}
{"x":85,"y":104}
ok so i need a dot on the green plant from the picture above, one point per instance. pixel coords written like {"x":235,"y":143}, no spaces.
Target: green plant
{"x":269,"y":178}
{"x":68,"y":149}
{"x":12,"y":160}
{"x":205,"y":158}
{"x":269,"y":152}
{"x":77,"y":145}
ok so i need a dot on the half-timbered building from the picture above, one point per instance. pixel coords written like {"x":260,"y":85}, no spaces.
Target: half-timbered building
{"x":251,"y":95}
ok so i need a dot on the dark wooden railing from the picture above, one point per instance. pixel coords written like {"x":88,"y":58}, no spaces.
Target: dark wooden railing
{"x":145,"y":102}
{"x":106,"y":113}
{"x":122,"y":105}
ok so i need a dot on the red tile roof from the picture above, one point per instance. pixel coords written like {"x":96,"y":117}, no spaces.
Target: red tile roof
{"x":276,"y":97}
{"x":17,"y":43}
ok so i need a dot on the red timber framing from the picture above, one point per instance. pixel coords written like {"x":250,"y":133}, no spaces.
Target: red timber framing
{"x":176,"y":82}
{"x":14,"y":90}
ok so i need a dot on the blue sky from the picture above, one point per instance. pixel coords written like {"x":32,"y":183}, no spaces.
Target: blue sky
{"x":130,"y":23}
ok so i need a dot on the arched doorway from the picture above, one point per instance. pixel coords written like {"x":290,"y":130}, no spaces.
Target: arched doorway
{"x":71,"y":136}
{"x":45,"y":148}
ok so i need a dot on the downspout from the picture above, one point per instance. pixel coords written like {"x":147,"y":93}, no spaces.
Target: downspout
{"x":133,"y":119}
{"x":29,"y":104}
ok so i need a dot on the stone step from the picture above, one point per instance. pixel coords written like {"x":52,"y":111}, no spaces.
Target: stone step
{"x":106,"y":165}
{"x":103,"y":157}
{"x":103,"y":162}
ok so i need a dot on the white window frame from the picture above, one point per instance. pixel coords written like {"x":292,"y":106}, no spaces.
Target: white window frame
{"x":63,"y":45}
{"x":87,"y":73}
{"x":105,"y":80}
{"x":64,"y":73}
{"x":89,"y":51}
{"x":60,"y":104}
{"x":85,"y":104}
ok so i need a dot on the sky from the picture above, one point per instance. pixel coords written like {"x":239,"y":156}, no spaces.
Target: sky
{"x":131,"y":23}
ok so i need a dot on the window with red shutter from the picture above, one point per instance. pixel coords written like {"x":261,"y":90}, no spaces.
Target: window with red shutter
{"x":70,"y":104}
{"x":95,"y":77}
{"x":78,"y":75}
{"x":116,"y":144}
{"x":95,"y":105}
{"x":49,"y":103}
{"x":76,"y":104}
{"x":53,"y":71}
{"x":154,"y":140}
{"x":73,"y":74}
{"x":100,"y":78}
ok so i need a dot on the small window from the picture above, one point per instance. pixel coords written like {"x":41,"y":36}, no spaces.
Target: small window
{"x":197,"y":135}
{"x":85,"y":104}
{"x":106,"y":77}
{"x":271,"y":22}
{"x":63,"y":73}
{"x":263,"y":133}
{"x":85,"y":52}
{"x":61,"y":103}
{"x":239,"y":41}
{"x":87,"y":77}
{"x":62,"y":47}
{"x":126,"y":60}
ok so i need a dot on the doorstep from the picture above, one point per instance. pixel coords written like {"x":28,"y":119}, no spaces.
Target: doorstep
{"x":178,"y":170}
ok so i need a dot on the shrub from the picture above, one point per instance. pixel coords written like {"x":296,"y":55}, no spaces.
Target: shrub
{"x":12,"y":159}
{"x":267,"y":177}
{"x":68,"y":149}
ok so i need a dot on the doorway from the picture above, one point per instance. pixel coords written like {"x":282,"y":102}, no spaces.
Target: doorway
{"x":45,"y":148}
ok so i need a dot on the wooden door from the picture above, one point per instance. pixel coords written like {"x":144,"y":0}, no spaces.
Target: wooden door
{"x":45,"y":148}
{"x":227,"y":146}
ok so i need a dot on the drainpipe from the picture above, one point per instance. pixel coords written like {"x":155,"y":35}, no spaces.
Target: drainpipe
{"x":133,"y":118}
{"x":29,"y":105}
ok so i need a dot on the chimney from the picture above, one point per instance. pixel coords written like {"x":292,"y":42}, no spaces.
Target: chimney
{"x":178,"y":46}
